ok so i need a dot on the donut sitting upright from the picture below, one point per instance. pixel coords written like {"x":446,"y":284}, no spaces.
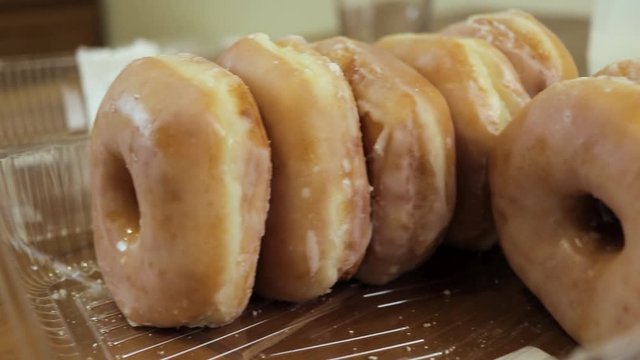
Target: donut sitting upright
{"x":180,"y":184}
{"x":565,"y":179}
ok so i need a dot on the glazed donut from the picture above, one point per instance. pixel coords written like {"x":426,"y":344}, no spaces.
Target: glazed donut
{"x":629,"y":69}
{"x":318,"y":226}
{"x":565,"y":181}
{"x":409,"y":145}
{"x":180,"y":184}
{"x":483,"y":92}
{"x":537,"y":54}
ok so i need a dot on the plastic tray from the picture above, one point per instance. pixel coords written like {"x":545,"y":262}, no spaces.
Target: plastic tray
{"x":40,"y":100}
{"x":54,"y":303}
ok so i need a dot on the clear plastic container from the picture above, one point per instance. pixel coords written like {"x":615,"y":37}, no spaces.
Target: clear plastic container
{"x":40,"y":100}
{"x":53,"y":303}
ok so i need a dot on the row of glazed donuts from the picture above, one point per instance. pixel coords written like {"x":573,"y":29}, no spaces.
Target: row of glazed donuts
{"x":357,"y":177}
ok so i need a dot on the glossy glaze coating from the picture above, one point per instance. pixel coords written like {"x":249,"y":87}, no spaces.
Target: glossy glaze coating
{"x":537,"y":54}
{"x":578,"y":138}
{"x":409,"y":145}
{"x":318,"y":226}
{"x":629,"y":69}
{"x":180,"y":185}
{"x":483,"y":92}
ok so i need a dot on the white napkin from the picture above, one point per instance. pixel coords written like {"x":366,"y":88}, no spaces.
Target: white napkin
{"x":527,"y":353}
{"x":100,"y":66}
{"x":624,"y":347}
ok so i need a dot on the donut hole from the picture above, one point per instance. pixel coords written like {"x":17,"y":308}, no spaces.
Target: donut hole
{"x":601,"y":224}
{"x":119,"y":188}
